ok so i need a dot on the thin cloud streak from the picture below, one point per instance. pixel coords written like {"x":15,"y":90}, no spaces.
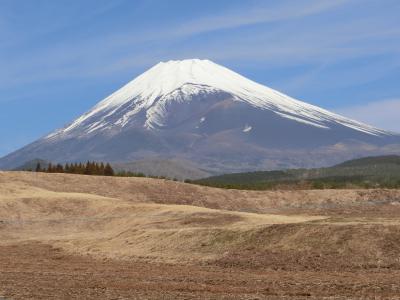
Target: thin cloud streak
{"x":59,"y":60}
{"x":257,"y":15}
{"x":292,"y":43}
{"x":383,"y":114}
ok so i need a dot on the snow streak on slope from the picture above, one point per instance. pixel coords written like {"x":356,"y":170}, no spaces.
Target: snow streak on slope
{"x":181,"y":80}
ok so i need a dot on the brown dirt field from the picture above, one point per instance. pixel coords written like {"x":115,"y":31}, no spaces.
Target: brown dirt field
{"x":54,"y":275}
{"x":85,"y":237}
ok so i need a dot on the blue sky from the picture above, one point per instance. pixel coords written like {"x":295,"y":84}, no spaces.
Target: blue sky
{"x":58,"y":58}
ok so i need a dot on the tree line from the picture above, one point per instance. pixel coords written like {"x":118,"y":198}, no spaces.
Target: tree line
{"x":90,"y":168}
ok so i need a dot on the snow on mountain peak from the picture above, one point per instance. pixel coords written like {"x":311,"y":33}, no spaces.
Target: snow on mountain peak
{"x":179,"y":80}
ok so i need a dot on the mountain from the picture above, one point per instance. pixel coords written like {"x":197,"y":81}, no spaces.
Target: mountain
{"x":169,"y":168}
{"x":199,"y":111}
{"x":32,"y":164}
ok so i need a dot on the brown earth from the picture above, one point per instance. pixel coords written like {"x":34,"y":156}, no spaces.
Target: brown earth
{"x":348,"y":202}
{"x":86,"y":237}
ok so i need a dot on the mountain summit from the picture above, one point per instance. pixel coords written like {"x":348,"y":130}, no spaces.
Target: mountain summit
{"x":149,"y":96}
{"x":200,"y":111}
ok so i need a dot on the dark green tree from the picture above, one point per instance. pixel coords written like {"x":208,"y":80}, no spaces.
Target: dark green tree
{"x":80,"y":169}
{"x":108,"y":170}
{"x":101,"y":169}
{"x":59,"y":168}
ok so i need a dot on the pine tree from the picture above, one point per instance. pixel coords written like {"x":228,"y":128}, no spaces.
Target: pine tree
{"x":88,"y":168}
{"x":101,"y":169}
{"x":96,"y":169}
{"x":108,"y":170}
{"x":38,"y":168}
{"x":59,"y":168}
{"x":81,"y":169}
{"x":92,"y":168}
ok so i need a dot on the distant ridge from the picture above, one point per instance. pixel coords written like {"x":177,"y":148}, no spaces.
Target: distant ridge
{"x":372,"y":160}
{"x":380,"y":171}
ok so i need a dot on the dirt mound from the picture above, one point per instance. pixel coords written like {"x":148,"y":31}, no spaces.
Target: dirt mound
{"x":329,"y":247}
{"x":328,"y":202}
{"x":108,"y":227}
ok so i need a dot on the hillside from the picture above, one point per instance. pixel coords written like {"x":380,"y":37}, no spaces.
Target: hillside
{"x":380,"y":171}
{"x":168,"y":168}
{"x":32,"y":164}
{"x":373,"y":161}
{"x":88,"y":237}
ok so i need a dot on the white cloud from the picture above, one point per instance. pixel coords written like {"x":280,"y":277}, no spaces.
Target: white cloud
{"x":383,"y":114}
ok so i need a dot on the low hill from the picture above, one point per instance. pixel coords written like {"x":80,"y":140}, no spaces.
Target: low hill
{"x":380,"y":171}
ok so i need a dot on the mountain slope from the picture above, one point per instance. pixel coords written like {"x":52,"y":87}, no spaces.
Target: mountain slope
{"x":172,"y":169}
{"x":199,"y":111}
{"x":150,"y":96}
{"x":32,"y":164}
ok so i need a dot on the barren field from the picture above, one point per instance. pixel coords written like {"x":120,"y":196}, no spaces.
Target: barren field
{"x":86,"y":237}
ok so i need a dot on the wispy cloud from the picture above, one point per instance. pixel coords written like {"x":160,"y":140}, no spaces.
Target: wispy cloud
{"x":81,"y":57}
{"x":284,"y":36}
{"x":279,"y":11}
{"x":383,"y":114}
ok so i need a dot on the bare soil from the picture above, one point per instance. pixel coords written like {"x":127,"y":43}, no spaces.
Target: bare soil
{"x":87,"y":237}
{"x":39,"y":271}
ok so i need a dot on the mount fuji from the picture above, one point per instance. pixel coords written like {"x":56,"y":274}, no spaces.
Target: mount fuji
{"x":198,"y":111}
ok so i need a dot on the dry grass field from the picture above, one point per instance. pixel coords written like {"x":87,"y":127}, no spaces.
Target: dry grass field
{"x":86,"y":237}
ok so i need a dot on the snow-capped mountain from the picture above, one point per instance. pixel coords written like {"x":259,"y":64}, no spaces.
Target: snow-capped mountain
{"x":200,"y":111}
{"x":149,"y":96}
